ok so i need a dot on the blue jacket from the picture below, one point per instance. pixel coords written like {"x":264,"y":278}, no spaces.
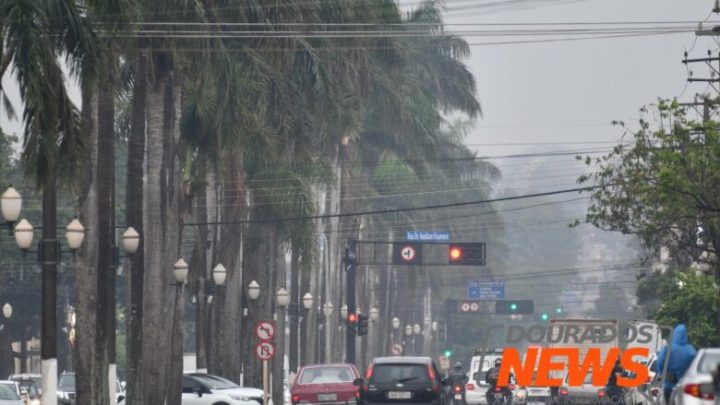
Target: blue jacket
{"x":681,"y":355}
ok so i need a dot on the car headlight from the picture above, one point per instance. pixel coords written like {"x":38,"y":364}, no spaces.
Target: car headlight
{"x":237,"y":397}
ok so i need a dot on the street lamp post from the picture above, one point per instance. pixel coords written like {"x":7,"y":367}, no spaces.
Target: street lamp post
{"x":7,"y":351}
{"x":327,"y":311}
{"x":282,"y":299}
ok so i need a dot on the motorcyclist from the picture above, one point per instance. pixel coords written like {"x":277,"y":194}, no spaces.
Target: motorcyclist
{"x":457,"y":376}
{"x":612,"y":389}
{"x":491,"y":378}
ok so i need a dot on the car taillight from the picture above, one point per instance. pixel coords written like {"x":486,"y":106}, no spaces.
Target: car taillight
{"x":511,"y":387}
{"x":430,"y":373}
{"x":497,"y":389}
{"x":295,"y":399}
{"x":702,"y":391}
{"x":563,"y":391}
{"x":601,"y":394}
{"x":457,"y":388}
{"x":471,"y":387}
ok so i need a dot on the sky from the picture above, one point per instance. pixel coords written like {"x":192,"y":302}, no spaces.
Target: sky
{"x":571,"y":91}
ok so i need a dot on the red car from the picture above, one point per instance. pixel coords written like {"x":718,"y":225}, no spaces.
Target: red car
{"x":325,"y":384}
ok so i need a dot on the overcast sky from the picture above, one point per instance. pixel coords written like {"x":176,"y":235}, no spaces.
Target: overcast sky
{"x":571,"y":91}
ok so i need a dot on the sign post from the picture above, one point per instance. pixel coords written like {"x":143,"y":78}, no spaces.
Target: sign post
{"x":266,"y":382}
{"x":265,"y":351}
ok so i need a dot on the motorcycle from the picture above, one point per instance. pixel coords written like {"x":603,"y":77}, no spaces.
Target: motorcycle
{"x":500,"y":395}
{"x":457,"y":394}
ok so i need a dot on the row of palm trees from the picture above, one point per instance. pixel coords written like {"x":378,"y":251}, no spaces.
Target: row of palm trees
{"x":244,"y":122}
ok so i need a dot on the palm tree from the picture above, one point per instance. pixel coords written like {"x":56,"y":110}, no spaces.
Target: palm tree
{"x":35,"y":35}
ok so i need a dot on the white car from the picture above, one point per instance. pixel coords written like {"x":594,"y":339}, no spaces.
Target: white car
{"x":207,"y":389}
{"x":476,"y":386}
{"x":10,"y":393}
{"x":696,"y":386}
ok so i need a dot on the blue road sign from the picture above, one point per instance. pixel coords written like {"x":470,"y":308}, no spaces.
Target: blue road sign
{"x":428,"y":236}
{"x":486,"y":290}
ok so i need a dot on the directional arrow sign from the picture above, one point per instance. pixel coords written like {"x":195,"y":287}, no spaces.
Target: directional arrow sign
{"x":265,"y":331}
{"x":265,"y":351}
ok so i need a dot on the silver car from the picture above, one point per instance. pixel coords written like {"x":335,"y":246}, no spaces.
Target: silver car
{"x":9,"y":395}
{"x":696,"y":386}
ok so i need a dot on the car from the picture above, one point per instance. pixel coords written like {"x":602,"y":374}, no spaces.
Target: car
{"x":398,"y":380}
{"x":476,"y":386}
{"x":66,"y":388}
{"x":29,"y":391}
{"x":585,"y":393}
{"x":9,"y":395}
{"x":36,"y":378}
{"x":535,"y":394}
{"x":325,"y":384}
{"x":208,"y":389}
{"x":696,"y":386}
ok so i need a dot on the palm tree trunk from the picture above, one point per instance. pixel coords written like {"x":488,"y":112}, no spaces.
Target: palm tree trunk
{"x":134,"y":215}
{"x":294,"y":309}
{"x":105,"y":275}
{"x":86,"y":264}
{"x":49,"y":245}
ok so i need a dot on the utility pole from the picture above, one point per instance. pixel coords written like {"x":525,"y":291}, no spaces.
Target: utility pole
{"x":350,"y":261}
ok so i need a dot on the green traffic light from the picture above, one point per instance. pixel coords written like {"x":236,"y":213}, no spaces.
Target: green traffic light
{"x":544,"y":317}
{"x":513,"y":306}
{"x":558,"y":310}
{"x":448,"y":353}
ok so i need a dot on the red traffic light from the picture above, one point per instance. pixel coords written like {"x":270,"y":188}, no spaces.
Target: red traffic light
{"x":352,"y":318}
{"x":455,"y":253}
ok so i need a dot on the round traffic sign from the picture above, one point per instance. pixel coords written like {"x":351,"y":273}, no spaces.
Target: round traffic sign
{"x":465,"y":307}
{"x":397,"y":349}
{"x":265,"y":330}
{"x":474,"y":307}
{"x":265,"y":351}
{"x":408,"y":253}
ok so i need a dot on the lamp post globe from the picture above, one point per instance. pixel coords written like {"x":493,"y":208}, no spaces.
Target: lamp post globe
{"x":328,"y":309}
{"x":344,"y":311}
{"x":374,"y":314}
{"x":74,"y":234}
{"x":219,"y":274}
{"x":396,"y":323}
{"x":24,"y":233}
{"x":130,"y":240}
{"x":417,"y":329}
{"x":408,"y":330}
{"x":253,"y":290}
{"x":282,"y":297}
{"x":7,"y":310}
{"x":308,"y":300}
{"x":11,"y":204}
{"x":180,"y":270}
{"x":434,"y":326}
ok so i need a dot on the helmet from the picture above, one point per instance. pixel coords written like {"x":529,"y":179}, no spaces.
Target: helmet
{"x":498,"y":361}
{"x":458,"y":366}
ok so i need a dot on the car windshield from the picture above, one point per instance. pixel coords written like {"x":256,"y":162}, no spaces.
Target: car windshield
{"x":214,"y":382}
{"x":8,"y":393}
{"x":67,"y":382}
{"x":392,"y":373}
{"x":709,"y":362}
{"x":326,"y":375}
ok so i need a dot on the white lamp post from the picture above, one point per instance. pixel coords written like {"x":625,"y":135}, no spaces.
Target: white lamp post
{"x":131,"y":240}
{"x":219,"y":274}
{"x":74,"y":234}
{"x":344,"y":311}
{"x":7,"y":310}
{"x":374,"y":314}
{"x":328,"y":309}
{"x":253,"y":290}
{"x":11,"y":205}
{"x":396,"y":323}
{"x":24,"y":234}
{"x":308,"y":301}
{"x":180,"y":270}
{"x":282,"y":297}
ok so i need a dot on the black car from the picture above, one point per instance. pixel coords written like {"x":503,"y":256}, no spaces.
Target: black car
{"x":399,"y":380}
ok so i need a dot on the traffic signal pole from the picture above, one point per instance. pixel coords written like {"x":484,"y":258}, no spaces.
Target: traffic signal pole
{"x":350,"y":260}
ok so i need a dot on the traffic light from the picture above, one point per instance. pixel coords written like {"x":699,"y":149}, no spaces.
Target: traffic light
{"x":510,"y":307}
{"x":362,"y":326}
{"x":544,"y":316}
{"x":352,"y":320}
{"x":466,"y":254}
{"x":558,"y":310}
{"x":448,"y":353}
